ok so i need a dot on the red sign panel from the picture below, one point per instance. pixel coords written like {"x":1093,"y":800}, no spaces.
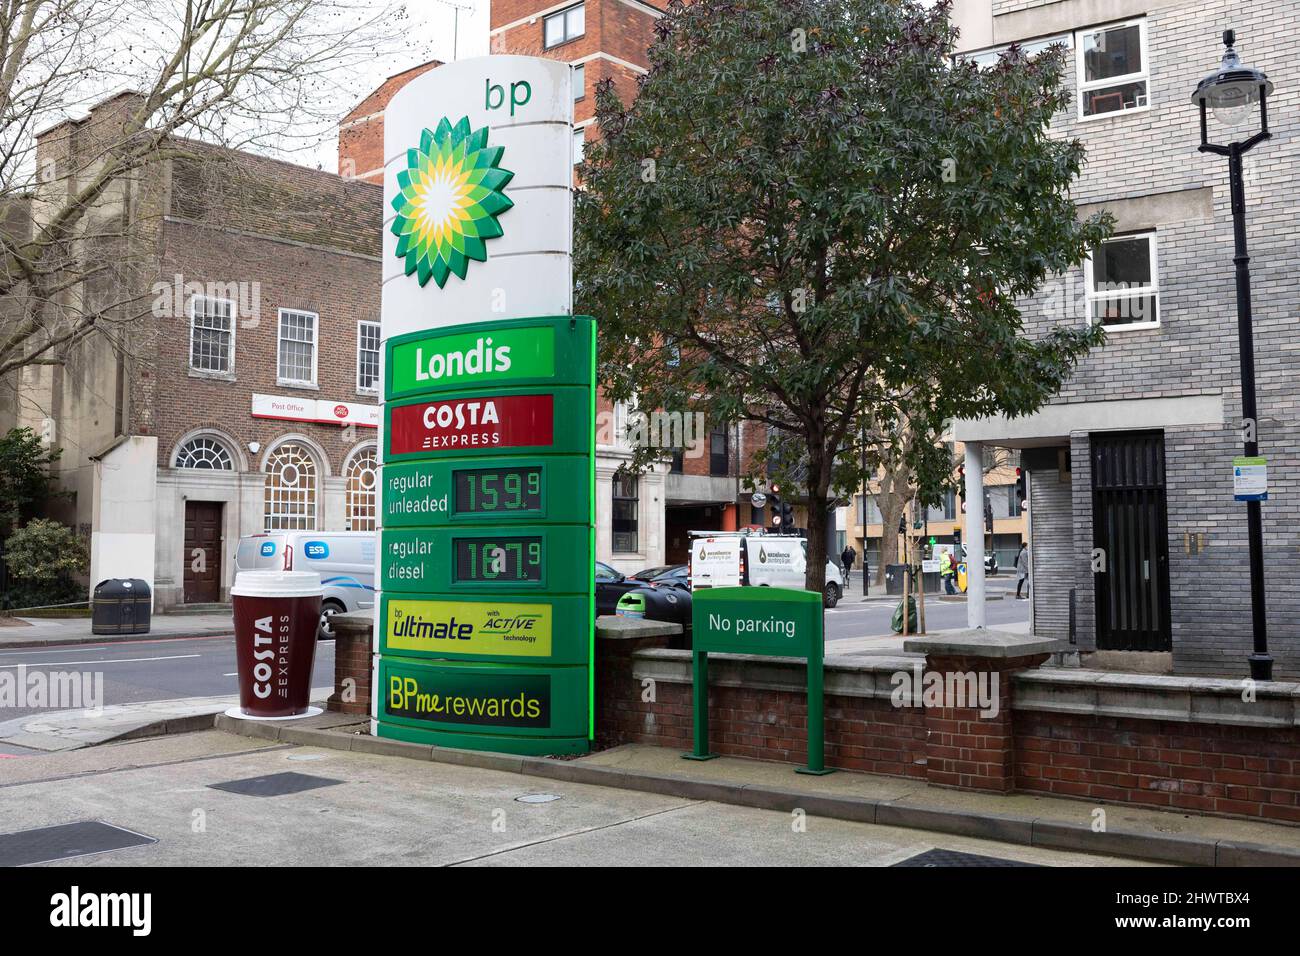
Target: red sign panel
{"x":461,"y":424}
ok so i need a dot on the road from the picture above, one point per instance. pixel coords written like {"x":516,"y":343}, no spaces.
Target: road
{"x":383,"y":810}
{"x":856,"y":618}
{"x":136,"y":671}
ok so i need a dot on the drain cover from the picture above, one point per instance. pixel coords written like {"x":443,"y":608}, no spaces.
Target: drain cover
{"x":537,"y":798}
{"x":65,"y":841}
{"x":275,"y":784}
{"x":955,"y":858}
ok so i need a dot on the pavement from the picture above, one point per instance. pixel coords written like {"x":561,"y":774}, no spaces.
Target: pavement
{"x":46,"y":632}
{"x":372,"y":809}
{"x":1023,"y":820}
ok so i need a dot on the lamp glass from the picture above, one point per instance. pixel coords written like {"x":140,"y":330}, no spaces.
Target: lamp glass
{"x":1233,"y":104}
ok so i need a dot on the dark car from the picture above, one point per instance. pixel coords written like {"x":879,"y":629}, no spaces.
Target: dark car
{"x":674,"y":575}
{"x":610,"y":586}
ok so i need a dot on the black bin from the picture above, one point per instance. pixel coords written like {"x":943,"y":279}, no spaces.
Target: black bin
{"x":661,"y":604}
{"x":121,"y":606}
{"x":894,"y":574}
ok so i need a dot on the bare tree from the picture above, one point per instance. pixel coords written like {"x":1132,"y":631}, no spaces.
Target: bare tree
{"x":168,"y":79}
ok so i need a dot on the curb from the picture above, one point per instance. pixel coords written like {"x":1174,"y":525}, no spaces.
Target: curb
{"x":1023,"y":830}
{"x":6,"y":645}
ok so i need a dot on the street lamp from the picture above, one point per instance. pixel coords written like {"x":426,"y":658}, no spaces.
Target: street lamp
{"x":1237,"y":96}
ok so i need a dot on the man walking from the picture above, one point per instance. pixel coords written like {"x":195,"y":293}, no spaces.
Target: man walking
{"x":947,"y":570}
{"x":1022,"y":572}
{"x":847,"y":557}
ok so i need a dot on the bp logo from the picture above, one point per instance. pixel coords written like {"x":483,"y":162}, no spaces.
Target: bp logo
{"x":449,"y":200}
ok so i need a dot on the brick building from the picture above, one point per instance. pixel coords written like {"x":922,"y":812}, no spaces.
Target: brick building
{"x":1133,"y":459}
{"x":246,"y":397}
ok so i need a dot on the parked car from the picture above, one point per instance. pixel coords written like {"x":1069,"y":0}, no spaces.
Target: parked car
{"x":345,"y":561}
{"x":610,"y":586}
{"x":674,"y":576}
{"x":740,"y":559}
{"x":990,"y":560}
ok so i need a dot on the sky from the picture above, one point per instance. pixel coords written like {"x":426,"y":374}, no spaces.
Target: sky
{"x":433,"y":28}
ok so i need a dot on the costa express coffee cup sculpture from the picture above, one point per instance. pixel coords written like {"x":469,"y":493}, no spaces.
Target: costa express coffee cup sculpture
{"x":276,"y":617}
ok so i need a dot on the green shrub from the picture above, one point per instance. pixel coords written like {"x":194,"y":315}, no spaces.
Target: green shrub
{"x":43,"y":558}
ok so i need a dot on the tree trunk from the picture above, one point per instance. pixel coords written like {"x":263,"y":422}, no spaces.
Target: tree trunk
{"x":819,"y":479}
{"x":891,"y":506}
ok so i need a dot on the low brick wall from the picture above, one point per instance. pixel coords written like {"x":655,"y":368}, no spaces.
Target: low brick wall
{"x":352,"y":663}
{"x":1166,"y":742}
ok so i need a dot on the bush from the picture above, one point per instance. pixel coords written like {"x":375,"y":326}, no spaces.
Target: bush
{"x":43,"y":557}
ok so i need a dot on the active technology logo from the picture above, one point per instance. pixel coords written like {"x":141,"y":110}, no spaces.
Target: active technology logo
{"x":449,"y":198}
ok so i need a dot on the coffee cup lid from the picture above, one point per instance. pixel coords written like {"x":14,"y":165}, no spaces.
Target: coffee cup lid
{"x":286,"y":584}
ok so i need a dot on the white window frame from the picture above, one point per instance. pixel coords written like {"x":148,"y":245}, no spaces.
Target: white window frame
{"x":579,"y":81}
{"x":1031,"y":49}
{"x":379,"y":352}
{"x":279,"y":346}
{"x":234,"y":324}
{"x":563,"y":17}
{"x":579,"y":143}
{"x":1083,"y":86}
{"x":1091,"y":295}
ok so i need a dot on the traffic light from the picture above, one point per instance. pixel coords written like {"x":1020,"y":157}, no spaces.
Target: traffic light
{"x":787,"y":516}
{"x":988,"y":511}
{"x":1022,"y":490}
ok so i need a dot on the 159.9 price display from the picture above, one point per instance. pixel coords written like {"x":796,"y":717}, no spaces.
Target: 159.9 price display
{"x":493,"y":490}
{"x":504,"y":559}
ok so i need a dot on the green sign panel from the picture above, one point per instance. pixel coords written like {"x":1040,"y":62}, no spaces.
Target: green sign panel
{"x":775,"y":622}
{"x":487,"y":539}
{"x":474,"y":558}
{"x":420,"y":494}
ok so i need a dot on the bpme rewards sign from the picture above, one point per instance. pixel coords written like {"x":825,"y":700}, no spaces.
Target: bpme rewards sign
{"x":486,"y":544}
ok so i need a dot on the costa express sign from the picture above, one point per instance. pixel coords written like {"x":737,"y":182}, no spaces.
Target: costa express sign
{"x":487,"y":423}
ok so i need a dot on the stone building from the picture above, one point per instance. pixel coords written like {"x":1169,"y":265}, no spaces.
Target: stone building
{"x":1133,"y":522}
{"x":245,"y":396}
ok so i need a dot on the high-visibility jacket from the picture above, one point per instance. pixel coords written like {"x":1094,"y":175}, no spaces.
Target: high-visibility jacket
{"x":945,"y":564}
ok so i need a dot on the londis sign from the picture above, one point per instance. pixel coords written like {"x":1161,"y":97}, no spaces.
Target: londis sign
{"x":517,"y":352}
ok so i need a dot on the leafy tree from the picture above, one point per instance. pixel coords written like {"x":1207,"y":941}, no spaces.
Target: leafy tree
{"x":24,"y":477}
{"x":43,"y":557}
{"x":831,"y":222}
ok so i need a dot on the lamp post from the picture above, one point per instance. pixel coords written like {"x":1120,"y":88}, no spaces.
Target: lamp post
{"x":1237,"y":97}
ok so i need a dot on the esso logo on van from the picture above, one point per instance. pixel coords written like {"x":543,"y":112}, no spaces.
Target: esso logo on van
{"x":316,"y":550}
{"x":268,"y":549}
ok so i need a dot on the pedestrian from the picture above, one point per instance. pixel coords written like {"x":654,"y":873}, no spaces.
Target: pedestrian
{"x":1022,"y":572}
{"x":847,"y":557}
{"x":947,"y":571}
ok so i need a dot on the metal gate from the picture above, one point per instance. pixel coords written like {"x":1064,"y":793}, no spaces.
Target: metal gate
{"x":1129,"y":527}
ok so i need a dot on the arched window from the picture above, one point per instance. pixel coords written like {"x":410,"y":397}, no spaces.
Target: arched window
{"x":291,"y":488}
{"x":361,"y":490}
{"x":204,"y":453}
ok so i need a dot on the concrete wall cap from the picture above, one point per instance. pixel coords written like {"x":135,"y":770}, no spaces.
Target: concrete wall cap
{"x":975,"y":642}
{"x":612,"y":627}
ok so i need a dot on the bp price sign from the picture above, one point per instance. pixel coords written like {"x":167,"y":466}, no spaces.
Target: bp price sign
{"x":486,"y":607}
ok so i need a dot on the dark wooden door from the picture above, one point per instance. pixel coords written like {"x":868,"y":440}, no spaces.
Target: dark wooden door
{"x":202,"y":552}
{"x":1129,"y":527}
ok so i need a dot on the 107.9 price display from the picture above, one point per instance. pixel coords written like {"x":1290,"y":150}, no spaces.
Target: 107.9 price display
{"x":503,"y":558}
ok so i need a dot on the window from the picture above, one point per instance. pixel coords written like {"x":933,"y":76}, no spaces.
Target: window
{"x":945,"y":510}
{"x":297,"y":363}
{"x":579,"y":140}
{"x":627,"y":507}
{"x":579,"y":81}
{"x":987,"y":59}
{"x":678,"y":463}
{"x":564,"y":26}
{"x":212,"y":335}
{"x":291,"y":489}
{"x":361,"y":490}
{"x":1112,"y":66}
{"x":204,"y":453}
{"x":367,"y":356}
{"x":869,"y":510}
{"x":719,"y":459}
{"x":1121,"y":283}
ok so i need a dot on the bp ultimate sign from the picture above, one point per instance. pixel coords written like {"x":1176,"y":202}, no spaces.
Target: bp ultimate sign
{"x":486,"y":606}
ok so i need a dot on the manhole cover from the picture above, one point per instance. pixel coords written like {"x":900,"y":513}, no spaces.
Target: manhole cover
{"x":65,"y":841}
{"x":537,"y":798}
{"x":275,"y":784}
{"x":956,"y":858}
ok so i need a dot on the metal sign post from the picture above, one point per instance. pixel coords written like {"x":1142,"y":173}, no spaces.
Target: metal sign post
{"x":774,"y":622}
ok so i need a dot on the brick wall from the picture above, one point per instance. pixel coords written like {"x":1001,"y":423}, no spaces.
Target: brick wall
{"x":361,"y":132}
{"x":1218,"y":769}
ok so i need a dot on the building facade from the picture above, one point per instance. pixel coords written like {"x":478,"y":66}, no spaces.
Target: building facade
{"x":1138,"y":547}
{"x":244,"y":398}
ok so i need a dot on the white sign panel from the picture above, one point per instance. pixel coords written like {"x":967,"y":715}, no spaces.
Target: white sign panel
{"x":478,"y":202}
{"x":291,"y":408}
{"x":1250,"y":479}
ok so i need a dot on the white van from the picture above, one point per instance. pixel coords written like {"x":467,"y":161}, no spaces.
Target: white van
{"x":720,"y":559}
{"x":345,"y":561}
